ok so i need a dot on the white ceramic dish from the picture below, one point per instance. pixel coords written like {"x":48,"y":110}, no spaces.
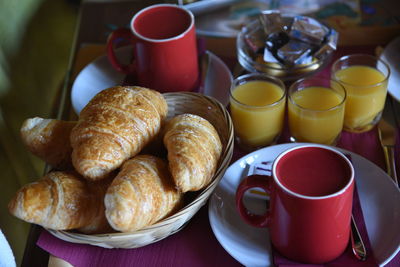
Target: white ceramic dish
{"x":391,"y":55}
{"x":379,"y":196}
{"x":6,"y":254}
{"x":226,"y":21}
{"x":99,"y":75}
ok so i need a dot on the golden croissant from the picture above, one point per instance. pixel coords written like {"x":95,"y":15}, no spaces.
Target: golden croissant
{"x":194,"y":149}
{"x":99,"y":223}
{"x":113,"y":127}
{"x":48,"y":139}
{"x":60,"y":201}
{"x":141,"y":194}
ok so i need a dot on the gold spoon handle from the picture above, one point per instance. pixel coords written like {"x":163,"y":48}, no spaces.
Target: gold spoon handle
{"x":357,"y":244}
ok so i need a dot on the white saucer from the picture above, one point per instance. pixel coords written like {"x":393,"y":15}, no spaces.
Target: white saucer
{"x":6,"y":255}
{"x":100,"y":75}
{"x":391,"y":55}
{"x":379,"y":196}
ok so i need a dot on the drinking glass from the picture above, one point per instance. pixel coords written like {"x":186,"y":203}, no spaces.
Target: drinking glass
{"x":365,"y":79}
{"x":316,"y":109}
{"x":257,"y":104}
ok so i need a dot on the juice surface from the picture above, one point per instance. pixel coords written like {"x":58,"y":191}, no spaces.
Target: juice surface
{"x":315,"y":118}
{"x":257,"y":123}
{"x":257,"y":93}
{"x":366,"y":93}
{"x":360,"y":75}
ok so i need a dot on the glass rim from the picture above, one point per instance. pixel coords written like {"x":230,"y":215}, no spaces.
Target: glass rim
{"x":362,"y":55}
{"x":280,"y":84}
{"x":272,"y":65}
{"x":329,"y":88}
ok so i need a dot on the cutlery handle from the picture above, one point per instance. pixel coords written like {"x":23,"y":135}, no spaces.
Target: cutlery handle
{"x":357,"y":244}
{"x":390,"y":163}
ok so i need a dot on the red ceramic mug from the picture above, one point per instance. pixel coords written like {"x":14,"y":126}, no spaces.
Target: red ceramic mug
{"x":311,"y":195}
{"x":163,"y":37}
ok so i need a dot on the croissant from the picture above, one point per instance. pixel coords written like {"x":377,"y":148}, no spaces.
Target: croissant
{"x":98,"y":224}
{"x":48,"y":139}
{"x":58,"y":201}
{"x":113,"y":127}
{"x":141,"y":194}
{"x":194,"y":148}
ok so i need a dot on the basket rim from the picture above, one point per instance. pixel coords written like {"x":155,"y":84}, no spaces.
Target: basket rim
{"x":197,"y":203}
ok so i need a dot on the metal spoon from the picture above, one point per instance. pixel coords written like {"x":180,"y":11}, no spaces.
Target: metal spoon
{"x":357,"y":245}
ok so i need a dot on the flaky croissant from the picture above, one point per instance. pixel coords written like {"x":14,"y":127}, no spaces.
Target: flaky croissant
{"x":113,"y":127}
{"x":194,"y":149}
{"x":59,"y":201}
{"x":99,"y":223}
{"x":48,"y":139}
{"x":141,"y":194}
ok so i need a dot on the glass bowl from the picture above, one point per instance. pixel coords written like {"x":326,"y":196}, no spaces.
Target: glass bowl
{"x":253,"y":62}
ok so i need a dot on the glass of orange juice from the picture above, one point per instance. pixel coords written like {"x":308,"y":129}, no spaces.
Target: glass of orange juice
{"x":257,"y":105}
{"x":365,"y":79}
{"x":316,"y":109}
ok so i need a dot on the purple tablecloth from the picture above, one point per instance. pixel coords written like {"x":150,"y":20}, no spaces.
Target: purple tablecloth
{"x":195,"y":245}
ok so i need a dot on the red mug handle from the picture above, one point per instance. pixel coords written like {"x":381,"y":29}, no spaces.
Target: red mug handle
{"x":115,"y":37}
{"x":249,"y":182}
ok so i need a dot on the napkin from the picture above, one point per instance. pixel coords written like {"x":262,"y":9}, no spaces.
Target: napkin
{"x":347,"y":258}
{"x":195,"y":245}
{"x":367,"y":145}
{"x":395,"y":262}
{"x":397,"y":153}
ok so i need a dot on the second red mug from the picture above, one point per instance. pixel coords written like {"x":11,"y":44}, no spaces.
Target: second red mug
{"x":311,"y":195}
{"x":165,"y":57}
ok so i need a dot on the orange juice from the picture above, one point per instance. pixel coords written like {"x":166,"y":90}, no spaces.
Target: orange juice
{"x":366,"y":93}
{"x":316,"y":115}
{"x":257,"y":109}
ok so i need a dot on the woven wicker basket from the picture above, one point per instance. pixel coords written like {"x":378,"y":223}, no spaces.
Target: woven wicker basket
{"x":178,"y":103}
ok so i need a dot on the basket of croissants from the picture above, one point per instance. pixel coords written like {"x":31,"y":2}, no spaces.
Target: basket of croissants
{"x":133,"y":169}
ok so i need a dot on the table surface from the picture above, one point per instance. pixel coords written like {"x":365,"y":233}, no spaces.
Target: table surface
{"x":113,"y":14}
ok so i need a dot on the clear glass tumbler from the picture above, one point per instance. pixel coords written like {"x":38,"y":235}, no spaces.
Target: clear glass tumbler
{"x":316,"y":108}
{"x":257,"y":104}
{"x":365,"y":79}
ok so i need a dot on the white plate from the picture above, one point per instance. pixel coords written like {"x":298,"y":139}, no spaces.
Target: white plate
{"x":99,"y":75}
{"x":391,"y":55}
{"x":379,"y":196}
{"x":6,"y":254}
{"x":227,"y":21}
